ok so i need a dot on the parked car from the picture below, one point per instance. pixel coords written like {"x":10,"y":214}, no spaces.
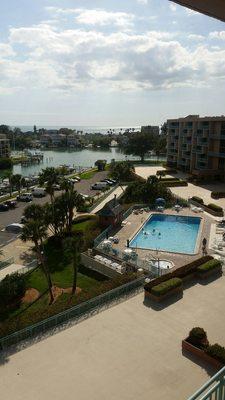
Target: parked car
{"x":108,"y":182}
{"x":25,"y":197}
{"x":14,"y":228}
{"x":11,"y":203}
{"x":4,"y":207}
{"x":77,"y":178}
{"x":39,"y":192}
{"x":99,"y":186}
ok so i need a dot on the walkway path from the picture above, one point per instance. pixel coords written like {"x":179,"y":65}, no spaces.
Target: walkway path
{"x":118,"y":192}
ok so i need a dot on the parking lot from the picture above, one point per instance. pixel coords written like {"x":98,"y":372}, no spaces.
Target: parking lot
{"x":14,"y":215}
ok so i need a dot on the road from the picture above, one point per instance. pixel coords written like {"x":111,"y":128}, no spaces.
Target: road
{"x":8,"y":217}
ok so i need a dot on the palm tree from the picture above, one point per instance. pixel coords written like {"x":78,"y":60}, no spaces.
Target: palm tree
{"x":18,"y":182}
{"x":35,"y":229}
{"x":71,"y":199}
{"x":49,"y":176}
{"x":72,"y":253}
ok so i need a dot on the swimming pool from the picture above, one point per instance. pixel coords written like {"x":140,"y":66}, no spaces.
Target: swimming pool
{"x":173,"y":233}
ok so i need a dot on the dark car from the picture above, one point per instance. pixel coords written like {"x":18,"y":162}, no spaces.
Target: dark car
{"x":4,"y":207}
{"x":11,"y":203}
{"x":25,"y":197}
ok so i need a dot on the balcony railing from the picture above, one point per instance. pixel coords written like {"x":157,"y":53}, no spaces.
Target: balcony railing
{"x":214,"y":389}
{"x":216,"y":154}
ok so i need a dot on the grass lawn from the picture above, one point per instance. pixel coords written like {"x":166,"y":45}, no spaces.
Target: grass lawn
{"x":88,"y":174}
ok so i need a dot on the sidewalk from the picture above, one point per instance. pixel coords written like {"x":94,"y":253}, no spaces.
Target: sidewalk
{"x":118,"y":191}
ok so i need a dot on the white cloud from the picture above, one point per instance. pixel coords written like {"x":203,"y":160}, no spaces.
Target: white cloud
{"x":95,"y":16}
{"x":145,"y":2}
{"x":193,"y":36}
{"x":173,"y":7}
{"x":76,"y":59}
{"x":217,"y":35}
{"x":190,"y":12}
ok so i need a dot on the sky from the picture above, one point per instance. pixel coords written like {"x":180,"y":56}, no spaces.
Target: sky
{"x":108,"y":62}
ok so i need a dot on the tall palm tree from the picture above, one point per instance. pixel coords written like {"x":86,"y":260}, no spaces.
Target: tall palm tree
{"x":35,"y":230}
{"x":72,"y":245}
{"x":49,"y":176}
{"x":71,"y":199}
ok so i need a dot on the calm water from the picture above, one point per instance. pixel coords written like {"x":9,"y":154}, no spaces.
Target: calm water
{"x":172,"y":233}
{"x":82,"y":158}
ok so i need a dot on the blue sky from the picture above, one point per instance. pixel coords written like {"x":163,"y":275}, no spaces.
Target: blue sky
{"x":108,"y":63}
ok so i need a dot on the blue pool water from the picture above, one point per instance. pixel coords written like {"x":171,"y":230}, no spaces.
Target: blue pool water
{"x":174,"y":233}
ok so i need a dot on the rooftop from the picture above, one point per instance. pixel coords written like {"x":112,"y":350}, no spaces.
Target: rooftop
{"x":128,"y":352}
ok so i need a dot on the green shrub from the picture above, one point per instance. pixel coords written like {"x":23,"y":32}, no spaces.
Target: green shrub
{"x":197,"y":199}
{"x":12,"y":289}
{"x":214,"y":207}
{"x":169,"y":179}
{"x":198,"y":337}
{"x":216,"y":351}
{"x":174,"y":183}
{"x":165,"y":287}
{"x":218,"y":195}
{"x":208,"y":266}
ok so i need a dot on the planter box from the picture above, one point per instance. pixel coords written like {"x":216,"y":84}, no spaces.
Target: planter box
{"x":158,"y":299}
{"x":207,"y":209}
{"x":201,"y":355}
{"x":208,"y":274}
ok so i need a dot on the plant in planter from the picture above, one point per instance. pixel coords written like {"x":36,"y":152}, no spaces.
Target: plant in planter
{"x":198,"y":337}
{"x":209,"y":268}
{"x":216,"y":351}
{"x":165,"y":289}
{"x":197,"y":199}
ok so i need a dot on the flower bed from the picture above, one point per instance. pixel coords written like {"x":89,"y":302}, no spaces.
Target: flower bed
{"x":165,"y":289}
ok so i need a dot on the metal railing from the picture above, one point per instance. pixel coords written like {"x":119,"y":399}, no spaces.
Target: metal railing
{"x":214,"y":389}
{"x":86,"y":308}
{"x":6,"y":263}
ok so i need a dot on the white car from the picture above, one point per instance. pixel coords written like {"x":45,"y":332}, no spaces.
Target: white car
{"x":14,"y":228}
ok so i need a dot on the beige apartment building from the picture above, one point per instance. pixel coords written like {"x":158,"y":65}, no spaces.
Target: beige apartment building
{"x":4,"y":147}
{"x":197,"y":145}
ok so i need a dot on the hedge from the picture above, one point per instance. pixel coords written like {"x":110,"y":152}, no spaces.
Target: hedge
{"x":180,"y":272}
{"x":198,"y":199}
{"x":165,"y":287}
{"x":208,"y":266}
{"x":218,"y":195}
{"x":172,"y":179}
{"x":174,"y":183}
{"x":214,"y":207}
{"x":216,"y":351}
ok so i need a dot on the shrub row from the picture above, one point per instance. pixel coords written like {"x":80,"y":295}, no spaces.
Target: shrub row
{"x":174,"y":183}
{"x":208,"y":266}
{"x":213,"y":207}
{"x":182,"y":272}
{"x":165,"y":287}
{"x":218,"y":195}
{"x":198,"y":199}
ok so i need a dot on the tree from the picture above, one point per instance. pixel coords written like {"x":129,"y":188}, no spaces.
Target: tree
{"x":140,"y":143}
{"x":100,"y":164}
{"x":122,"y":171}
{"x":49,"y":176}
{"x":55,"y":216}
{"x":17,"y":182}
{"x":5,"y":163}
{"x":71,"y":252}
{"x":70,"y":200}
{"x":35,"y":230}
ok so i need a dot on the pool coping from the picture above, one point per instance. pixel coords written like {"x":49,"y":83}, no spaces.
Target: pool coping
{"x":197,"y":244}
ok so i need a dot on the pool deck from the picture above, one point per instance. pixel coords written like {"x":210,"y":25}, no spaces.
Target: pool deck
{"x":134,"y":223}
